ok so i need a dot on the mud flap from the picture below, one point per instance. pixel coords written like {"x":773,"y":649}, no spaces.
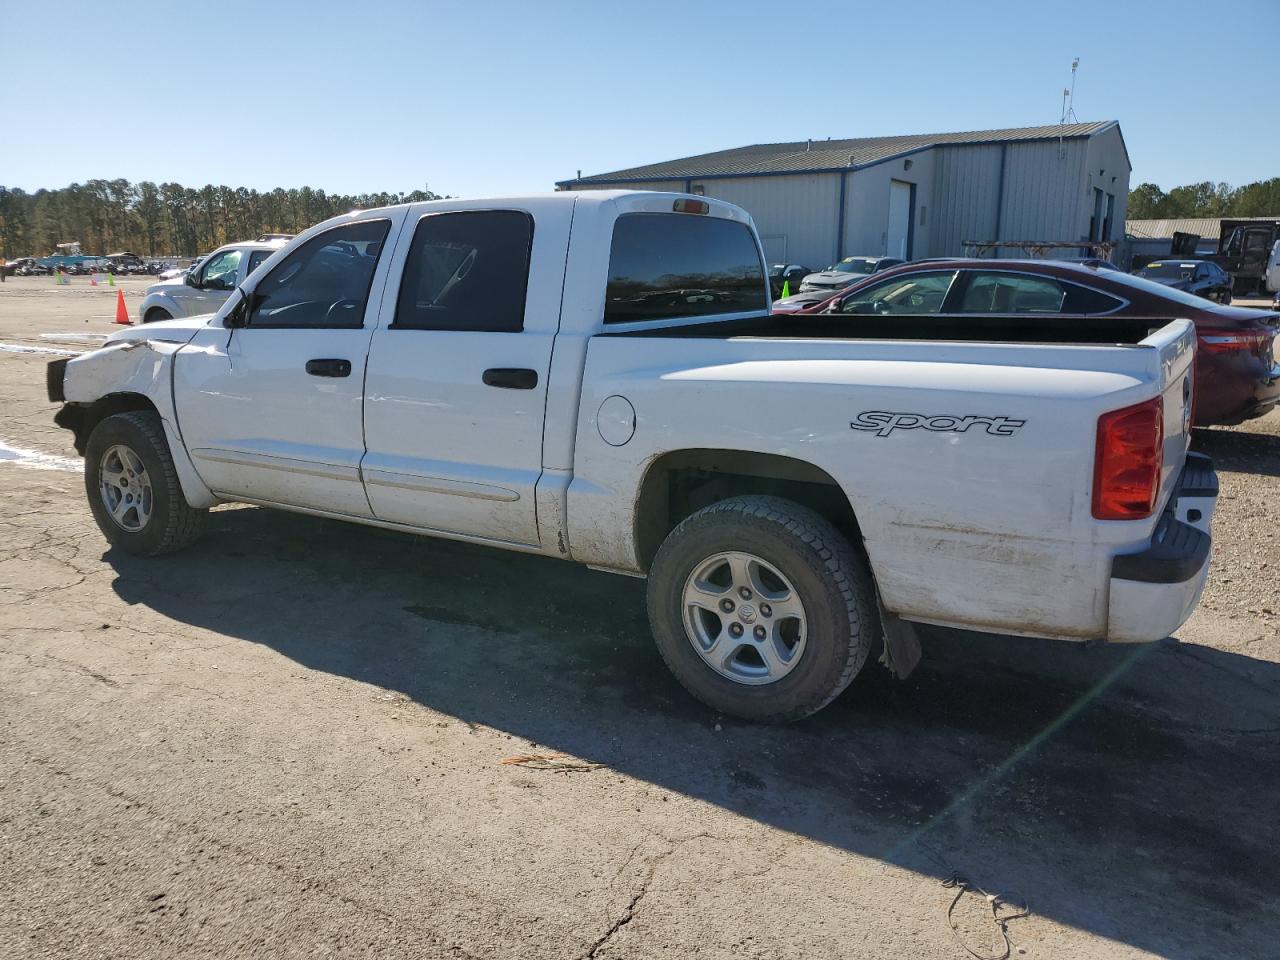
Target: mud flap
{"x":901,"y":651}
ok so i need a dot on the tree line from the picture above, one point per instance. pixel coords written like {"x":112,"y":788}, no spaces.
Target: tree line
{"x":165,"y":219}
{"x":1148,"y":202}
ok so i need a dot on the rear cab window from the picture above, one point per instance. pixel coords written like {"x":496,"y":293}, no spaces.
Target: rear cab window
{"x":467,"y":270}
{"x":671,"y":266}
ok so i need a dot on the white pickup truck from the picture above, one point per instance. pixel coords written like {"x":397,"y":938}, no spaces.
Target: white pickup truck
{"x":595,"y":376}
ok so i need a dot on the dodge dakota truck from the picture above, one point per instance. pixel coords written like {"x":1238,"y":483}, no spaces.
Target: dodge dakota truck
{"x":596,"y":376}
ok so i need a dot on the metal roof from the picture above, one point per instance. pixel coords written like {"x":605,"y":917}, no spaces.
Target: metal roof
{"x":815,"y":156}
{"x":1165,"y":229}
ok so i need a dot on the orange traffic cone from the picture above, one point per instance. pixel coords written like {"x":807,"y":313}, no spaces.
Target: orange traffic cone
{"x":122,"y":312}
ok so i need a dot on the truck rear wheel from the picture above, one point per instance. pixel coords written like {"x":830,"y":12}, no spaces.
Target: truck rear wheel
{"x":133,"y":486}
{"x":761,"y":608}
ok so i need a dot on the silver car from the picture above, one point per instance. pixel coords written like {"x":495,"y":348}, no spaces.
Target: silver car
{"x":847,"y":271}
{"x":204,"y":287}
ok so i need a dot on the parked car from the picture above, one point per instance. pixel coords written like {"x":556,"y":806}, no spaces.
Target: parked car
{"x":790,"y":274}
{"x":1237,"y":376}
{"x":801,"y":301}
{"x":847,"y":271}
{"x":175,"y":272}
{"x":1200,"y":277}
{"x":1272,"y":280}
{"x":780,"y":482}
{"x":21,"y":266}
{"x":1243,"y":249}
{"x":204,"y":288}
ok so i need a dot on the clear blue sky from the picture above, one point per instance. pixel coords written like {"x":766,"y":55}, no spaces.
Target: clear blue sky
{"x":486,"y":97}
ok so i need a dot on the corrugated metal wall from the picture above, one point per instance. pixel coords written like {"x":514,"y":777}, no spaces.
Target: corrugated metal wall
{"x":1047,"y":195}
{"x":867,"y":206}
{"x":661,"y":186}
{"x":797,"y":216}
{"x":1107,"y":168}
{"x":1044,"y":192}
{"x":966,"y":197}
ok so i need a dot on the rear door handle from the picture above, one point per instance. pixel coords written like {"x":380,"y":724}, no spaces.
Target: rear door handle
{"x":329,"y":368}
{"x":511,"y":378}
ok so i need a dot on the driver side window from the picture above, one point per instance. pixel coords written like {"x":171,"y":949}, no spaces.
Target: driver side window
{"x":325,"y":282}
{"x":221,"y":271}
{"x":909,"y":295}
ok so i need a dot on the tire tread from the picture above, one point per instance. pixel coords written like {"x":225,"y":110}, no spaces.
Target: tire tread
{"x":183,"y":523}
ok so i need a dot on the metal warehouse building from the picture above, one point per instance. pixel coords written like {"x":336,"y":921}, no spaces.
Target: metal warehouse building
{"x":913,"y":196}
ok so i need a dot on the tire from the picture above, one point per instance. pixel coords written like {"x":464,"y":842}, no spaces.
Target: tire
{"x":156,"y":315}
{"x":133,"y":446}
{"x":810,"y":561}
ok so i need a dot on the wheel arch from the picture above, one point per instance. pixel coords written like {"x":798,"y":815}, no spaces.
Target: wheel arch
{"x":681,"y":482}
{"x":158,"y":301}
{"x":81,"y":418}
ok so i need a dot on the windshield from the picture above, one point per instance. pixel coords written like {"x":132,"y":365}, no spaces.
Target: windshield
{"x":855,"y":265}
{"x":1169,"y":270}
{"x":1160,"y":290}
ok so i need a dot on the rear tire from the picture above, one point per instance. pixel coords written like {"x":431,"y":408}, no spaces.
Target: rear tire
{"x":814,"y":643}
{"x":133,"y":489}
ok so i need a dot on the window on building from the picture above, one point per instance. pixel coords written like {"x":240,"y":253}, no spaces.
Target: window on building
{"x":467,"y":271}
{"x":1095,"y":221}
{"x":670,"y":265}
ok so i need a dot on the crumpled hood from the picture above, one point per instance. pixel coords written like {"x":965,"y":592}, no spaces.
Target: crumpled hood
{"x":173,"y":331}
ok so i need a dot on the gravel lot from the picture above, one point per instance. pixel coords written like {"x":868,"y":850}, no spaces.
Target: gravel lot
{"x":289,"y":742}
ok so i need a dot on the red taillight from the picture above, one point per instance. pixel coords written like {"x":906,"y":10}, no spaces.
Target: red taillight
{"x":1127,"y":461}
{"x":1228,"y":341}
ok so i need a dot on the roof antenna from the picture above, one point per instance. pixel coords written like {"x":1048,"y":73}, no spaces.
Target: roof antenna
{"x":1068,"y":106}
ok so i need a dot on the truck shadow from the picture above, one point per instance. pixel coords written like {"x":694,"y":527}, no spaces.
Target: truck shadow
{"x":1123,"y":791}
{"x":1239,"y":450}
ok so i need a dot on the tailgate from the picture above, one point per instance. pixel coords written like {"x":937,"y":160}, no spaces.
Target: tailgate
{"x":1176,"y":346}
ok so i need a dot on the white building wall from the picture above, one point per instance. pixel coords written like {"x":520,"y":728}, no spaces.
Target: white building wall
{"x":797,"y":216}
{"x":967,"y":188}
{"x":866,"y":222}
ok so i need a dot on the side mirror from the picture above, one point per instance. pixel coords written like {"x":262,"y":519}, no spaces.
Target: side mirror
{"x":191,"y":279}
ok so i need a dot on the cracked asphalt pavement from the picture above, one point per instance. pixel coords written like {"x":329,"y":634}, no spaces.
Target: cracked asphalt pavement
{"x":288,"y":742}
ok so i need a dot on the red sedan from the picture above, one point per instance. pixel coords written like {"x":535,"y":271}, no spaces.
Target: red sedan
{"x":1237,"y":376}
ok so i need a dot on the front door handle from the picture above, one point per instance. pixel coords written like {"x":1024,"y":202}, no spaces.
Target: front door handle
{"x":329,"y":368}
{"x":511,"y":378}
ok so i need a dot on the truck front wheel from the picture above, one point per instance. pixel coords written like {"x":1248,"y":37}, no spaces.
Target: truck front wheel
{"x":133,"y":486}
{"x":761,"y":608}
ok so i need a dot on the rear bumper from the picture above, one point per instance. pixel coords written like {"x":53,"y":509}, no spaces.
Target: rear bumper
{"x":1154,"y":591}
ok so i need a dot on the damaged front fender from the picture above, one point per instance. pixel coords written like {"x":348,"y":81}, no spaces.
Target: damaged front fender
{"x":133,"y":374}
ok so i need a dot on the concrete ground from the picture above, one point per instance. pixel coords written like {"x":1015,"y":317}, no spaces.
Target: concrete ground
{"x":289,"y":741}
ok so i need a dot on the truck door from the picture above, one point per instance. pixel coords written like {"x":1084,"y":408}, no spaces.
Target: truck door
{"x":457,"y":379}
{"x":271,"y":412}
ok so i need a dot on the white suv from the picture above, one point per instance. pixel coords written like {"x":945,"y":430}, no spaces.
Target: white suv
{"x":203,"y":288}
